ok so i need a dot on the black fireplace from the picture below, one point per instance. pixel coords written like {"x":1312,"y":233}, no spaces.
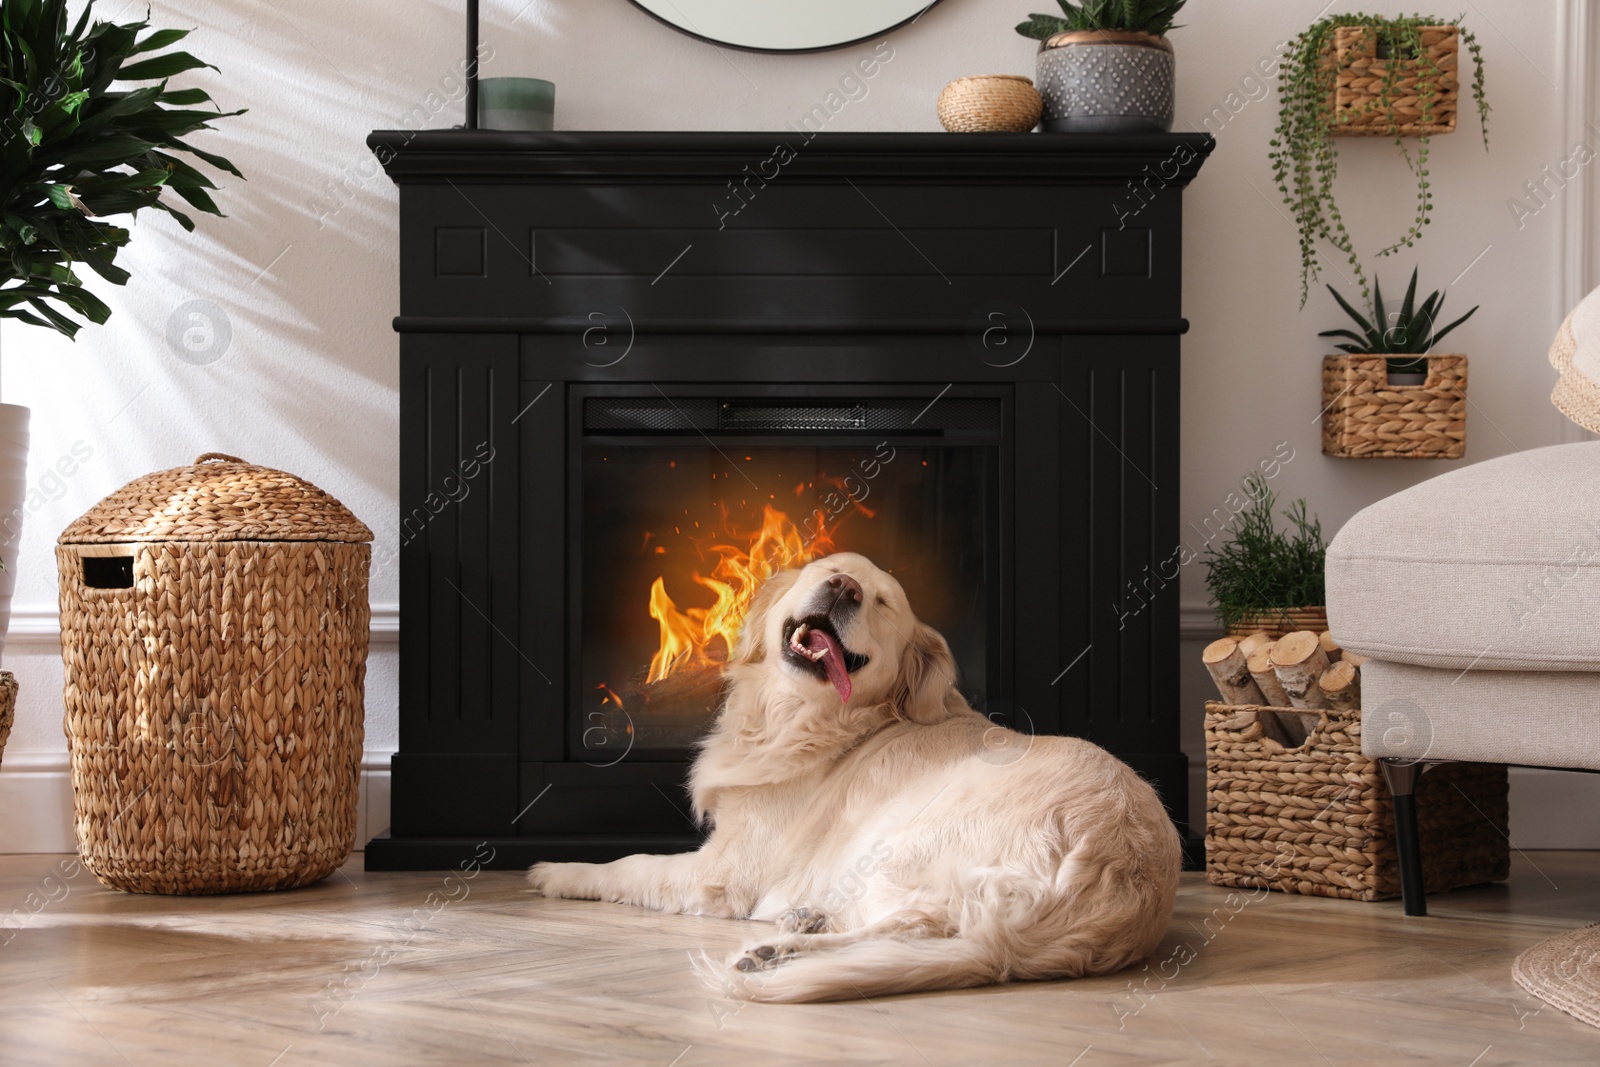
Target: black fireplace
{"x":956,"y":356}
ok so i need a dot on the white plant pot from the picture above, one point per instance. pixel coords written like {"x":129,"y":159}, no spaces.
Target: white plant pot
{"x":13,"y":502}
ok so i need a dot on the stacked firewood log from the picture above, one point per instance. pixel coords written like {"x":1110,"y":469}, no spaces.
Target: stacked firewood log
{"x":1303,"y":673}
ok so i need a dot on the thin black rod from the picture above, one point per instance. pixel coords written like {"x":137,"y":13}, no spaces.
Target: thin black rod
{"x":472,"y":64}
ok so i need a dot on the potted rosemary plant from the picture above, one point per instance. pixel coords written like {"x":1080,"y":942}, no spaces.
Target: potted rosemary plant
{"x":1367,"y":75}
{"x":1388,"y":396}
{"x":93,"y":129}
{"x":1265,"y":578}
{"x":1105,"y":66}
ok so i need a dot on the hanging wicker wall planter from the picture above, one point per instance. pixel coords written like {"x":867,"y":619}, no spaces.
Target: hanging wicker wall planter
{"x":214,"y":627}
{"x":1364,"y":417}
{"x":1422,"y":101}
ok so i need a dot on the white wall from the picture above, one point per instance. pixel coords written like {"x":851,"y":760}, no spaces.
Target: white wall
{"x":304,"y":268}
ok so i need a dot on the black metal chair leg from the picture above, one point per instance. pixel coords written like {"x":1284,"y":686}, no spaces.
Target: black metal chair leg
{"x":1402,"y":777}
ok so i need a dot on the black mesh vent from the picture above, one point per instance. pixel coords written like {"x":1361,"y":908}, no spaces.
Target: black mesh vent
{"x":660,"y":414}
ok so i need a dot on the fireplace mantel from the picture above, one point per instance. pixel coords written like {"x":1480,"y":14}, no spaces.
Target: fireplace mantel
{"x":1043,"y":269}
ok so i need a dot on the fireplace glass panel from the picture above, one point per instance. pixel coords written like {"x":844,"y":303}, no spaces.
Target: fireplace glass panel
{"x":675,"y":535}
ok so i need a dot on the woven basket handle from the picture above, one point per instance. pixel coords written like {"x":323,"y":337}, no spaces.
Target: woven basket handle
{"x":220,"y":457}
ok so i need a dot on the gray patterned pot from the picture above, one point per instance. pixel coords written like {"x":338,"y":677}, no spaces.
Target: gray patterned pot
{"x":1104,"y":81}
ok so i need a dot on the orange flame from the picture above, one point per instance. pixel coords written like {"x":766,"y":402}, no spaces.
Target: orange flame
{"x":705,"y":636}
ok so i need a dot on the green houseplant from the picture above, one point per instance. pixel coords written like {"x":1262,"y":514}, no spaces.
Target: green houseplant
{"x":81,"y":145}
{"x":1105,"y":66}
{"x":1367,"y":74}
{"x":1154,"y":17}
{"x":1263,"y":574}
{"x":1405,"y":335}
{"x":93,"y":130}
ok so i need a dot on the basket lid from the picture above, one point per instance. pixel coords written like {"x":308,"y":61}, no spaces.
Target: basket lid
{"x":217,"y":498}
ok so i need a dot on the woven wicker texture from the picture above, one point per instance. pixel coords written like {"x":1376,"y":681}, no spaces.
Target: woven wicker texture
{"x":218,"y":498}
{"x":1319,"y":819}
{"x":8,"y":707}
{"x":214,"y":709}
{"x":1281,"y":623}
{"x":1565,"y":971}
{"x":990,"y":103}
{"x":1357,"y":108}
{"x":1364,"y":417}
{"x":1576,"y":395}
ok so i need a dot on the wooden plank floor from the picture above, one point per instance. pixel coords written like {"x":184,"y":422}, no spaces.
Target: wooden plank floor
{"x":388,"y":968}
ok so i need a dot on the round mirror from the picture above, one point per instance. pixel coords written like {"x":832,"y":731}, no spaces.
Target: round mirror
{"x":770,"y":26}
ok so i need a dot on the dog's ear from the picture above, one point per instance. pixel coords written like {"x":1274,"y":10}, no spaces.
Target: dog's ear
{"x":752,"y":646}
{"x":927,"y":672}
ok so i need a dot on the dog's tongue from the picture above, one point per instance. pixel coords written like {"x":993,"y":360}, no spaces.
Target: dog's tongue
{"x":832,"y":661}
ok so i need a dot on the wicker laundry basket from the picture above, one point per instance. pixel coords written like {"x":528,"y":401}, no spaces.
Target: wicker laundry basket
{"x":214,"y":626}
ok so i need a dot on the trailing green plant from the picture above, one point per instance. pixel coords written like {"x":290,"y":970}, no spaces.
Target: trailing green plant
{"x":1154,"y":17}
{"x":1410,"y":330}
{"x":1305,"y":158}
{"x":82,"y":144}
{"x":1263,"y":568}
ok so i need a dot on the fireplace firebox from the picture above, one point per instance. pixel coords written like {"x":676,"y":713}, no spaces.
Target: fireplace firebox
{"x":620,"y":411}
{"x":683,"y":502}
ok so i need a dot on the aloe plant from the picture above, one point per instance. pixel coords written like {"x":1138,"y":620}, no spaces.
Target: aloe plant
{"x":1154,"y":17}
{"x":1410,"y":330}
{"x":82,"y":144}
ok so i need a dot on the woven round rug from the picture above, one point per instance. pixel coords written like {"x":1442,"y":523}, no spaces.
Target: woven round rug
{"x":1565,"y":971}
{"x":1576,"y":354}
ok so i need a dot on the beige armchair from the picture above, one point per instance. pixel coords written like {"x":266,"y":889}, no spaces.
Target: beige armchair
{"x":1476,"y":595}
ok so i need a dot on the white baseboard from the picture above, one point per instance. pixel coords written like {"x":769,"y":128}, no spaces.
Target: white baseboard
{"x":36,"y":797}
{"x":40,"y":624}
{"x":1549,"y":809}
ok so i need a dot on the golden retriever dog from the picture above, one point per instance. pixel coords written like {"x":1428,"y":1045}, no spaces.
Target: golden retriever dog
{"x":899,"y":840}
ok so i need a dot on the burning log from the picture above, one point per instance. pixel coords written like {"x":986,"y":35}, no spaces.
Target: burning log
{"x":1228,"y":669}
{"x":691,"y":691}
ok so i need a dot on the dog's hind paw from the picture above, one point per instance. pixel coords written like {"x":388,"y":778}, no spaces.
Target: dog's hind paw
{"x":803,"y":921}
{"x":762,"y":958}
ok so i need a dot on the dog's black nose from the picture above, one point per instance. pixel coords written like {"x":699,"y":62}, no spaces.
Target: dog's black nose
{"x":848,"y":587}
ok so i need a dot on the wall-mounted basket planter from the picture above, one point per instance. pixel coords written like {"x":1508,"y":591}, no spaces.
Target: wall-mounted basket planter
{"x":1425,"y":88}
{"x":1364,"y":417}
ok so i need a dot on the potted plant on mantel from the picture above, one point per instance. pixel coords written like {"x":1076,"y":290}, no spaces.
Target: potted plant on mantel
{"x":81,"y":144}
{"x":1388,"y":397}
{"x":1105,"y":66}
{"x":1371,"y":75}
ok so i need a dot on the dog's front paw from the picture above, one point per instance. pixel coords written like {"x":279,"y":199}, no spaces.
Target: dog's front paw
{"x":553,"y":879}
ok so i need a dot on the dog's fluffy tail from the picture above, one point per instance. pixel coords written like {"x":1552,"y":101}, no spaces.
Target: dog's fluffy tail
{"x":880,"y":966}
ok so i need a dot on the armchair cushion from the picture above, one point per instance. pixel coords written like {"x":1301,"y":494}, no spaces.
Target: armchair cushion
{"x":1495,"y":566}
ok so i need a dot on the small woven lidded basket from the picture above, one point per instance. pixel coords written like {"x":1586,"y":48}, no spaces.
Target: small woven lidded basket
{"x":1364,"y":417}
{"x":1319,"y":819}
{"x":990,"y":103}
{"x":214,"y":628}
{"x":1423,"y":99}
